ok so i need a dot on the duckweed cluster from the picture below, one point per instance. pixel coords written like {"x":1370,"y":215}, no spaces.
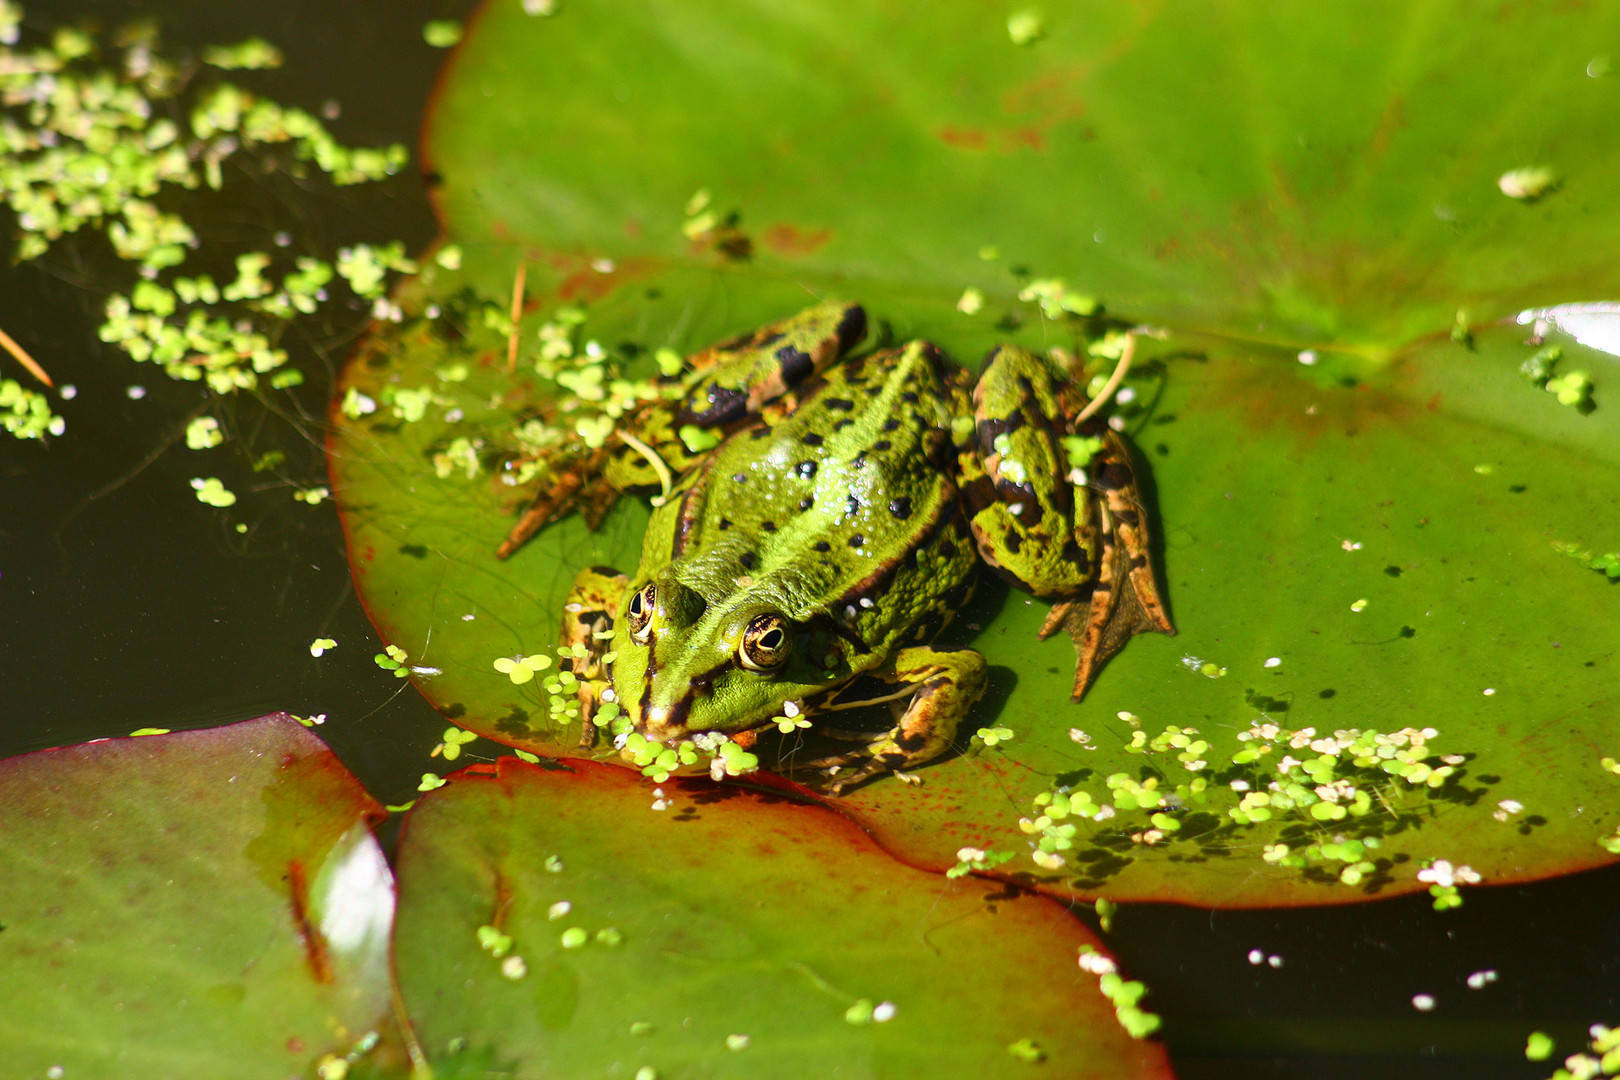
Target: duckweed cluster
{"x":1573,"y":388}
{"x":658,"y":761}
{"x":25,"y":413}
{"x":392,"y":658}
{"x":1122,"y":993}
{"x":969,"y":859}
{"x":1280,"y":775}
{"x":1601,"y":1058}
{"x":99,"y":136}
{"x":1607,"y":564}
{"x":451,"y":742}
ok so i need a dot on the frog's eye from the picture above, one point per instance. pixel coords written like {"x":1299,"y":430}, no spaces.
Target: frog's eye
{"x":764,"y":643}
{"x":640,"y":613}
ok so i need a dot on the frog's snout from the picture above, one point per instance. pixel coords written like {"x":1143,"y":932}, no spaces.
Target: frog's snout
{"x":657,"y":722}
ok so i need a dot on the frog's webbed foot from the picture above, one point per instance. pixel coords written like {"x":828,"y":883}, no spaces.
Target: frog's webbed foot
{"x":945,"y":684}
{"x":1125,"y":600}
{"x":587,"y":633}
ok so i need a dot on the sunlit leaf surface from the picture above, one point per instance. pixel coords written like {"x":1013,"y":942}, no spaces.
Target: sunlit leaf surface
{"x":176,"y":905}
{"x":578,"y":924}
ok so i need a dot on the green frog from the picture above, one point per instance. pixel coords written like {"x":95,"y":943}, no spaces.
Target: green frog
{"x":807,"y":561}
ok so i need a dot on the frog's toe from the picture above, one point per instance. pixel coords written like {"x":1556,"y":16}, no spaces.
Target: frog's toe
{"x":566,"y":484}
{"x":846,"y":771}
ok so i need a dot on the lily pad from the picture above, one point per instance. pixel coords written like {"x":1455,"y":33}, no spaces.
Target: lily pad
{"x":1368,"y":516}
{"x":1328,"y":174}
{"x":178,"y":904}
{"x":573,"y":922}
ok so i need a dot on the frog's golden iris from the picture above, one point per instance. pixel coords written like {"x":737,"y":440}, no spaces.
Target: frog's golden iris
{"x":834,"y":530}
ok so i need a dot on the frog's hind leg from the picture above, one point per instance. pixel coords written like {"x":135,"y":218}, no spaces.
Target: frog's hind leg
{"x":571,"y":480}
{"x":1125,"y":600}
{"x":586,"y":635}
{"x":943,"y":685}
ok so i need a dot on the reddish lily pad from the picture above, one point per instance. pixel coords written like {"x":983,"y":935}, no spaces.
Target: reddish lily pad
{"x":1389,"y":513}
{"x":176,"y":905}
{"x":573,"y":923}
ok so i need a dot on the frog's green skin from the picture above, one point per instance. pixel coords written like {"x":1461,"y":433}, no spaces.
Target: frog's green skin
{"x":838,"y":530}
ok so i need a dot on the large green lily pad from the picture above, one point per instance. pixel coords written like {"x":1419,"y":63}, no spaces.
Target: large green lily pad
{"x":177,"y":905}
{"x":1371,"y":536}
{"x":1326,"y":173}
{"x":702,"y":931}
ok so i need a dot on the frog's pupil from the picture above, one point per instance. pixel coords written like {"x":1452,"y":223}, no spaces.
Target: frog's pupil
{"x":772,"y":640}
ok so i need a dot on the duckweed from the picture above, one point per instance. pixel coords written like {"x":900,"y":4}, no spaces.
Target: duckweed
{"x":969,"y":859}
{"x":1607,"y":564}
{"x":1528,"y":182}
{"x":212,"y":491}
{"x":992,"y":736}
{"x":1056,"y":300}
{"x":521,"y":669}
{"x":1025,"y":27}
{"x":441,"y":33}
{"x":452,"y":741}
{"x":92,"y":145}
{"x":1027,"y":1050}
{"x":26,"y":414}
{"x":392,"y":658}
{"x":492,"y":941}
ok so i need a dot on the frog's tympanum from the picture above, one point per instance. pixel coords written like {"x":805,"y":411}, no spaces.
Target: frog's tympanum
{"x":807,"y":561}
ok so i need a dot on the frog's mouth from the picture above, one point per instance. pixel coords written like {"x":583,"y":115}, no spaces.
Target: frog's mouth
{"x":663,"y":723}
{"x":663,"y":749}
{"x":668,"y":726}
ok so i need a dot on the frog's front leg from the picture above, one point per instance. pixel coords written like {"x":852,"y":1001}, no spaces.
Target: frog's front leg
{"x":947,"y":683}
{"x":587,"y":635}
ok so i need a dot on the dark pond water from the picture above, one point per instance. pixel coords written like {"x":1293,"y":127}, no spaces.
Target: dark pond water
{"x":126,"y":604}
